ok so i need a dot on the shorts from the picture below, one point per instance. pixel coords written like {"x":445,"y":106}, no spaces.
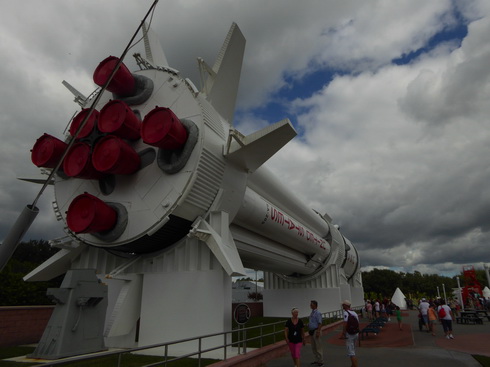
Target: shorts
{"x":425,"y":318}
{"x":350,"y":343}
{"x":447,"y":325}
{"x":295,"y":349}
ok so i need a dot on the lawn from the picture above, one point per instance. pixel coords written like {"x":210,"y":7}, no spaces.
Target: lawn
{"x":484,"y":361}
{"x":128,"y":360}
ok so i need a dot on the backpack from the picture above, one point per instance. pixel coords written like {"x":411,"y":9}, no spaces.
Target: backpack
{"x":352,"y":324}
{"x":441,"y":313}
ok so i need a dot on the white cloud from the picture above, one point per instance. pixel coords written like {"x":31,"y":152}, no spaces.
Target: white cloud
{"x":394,"y":153}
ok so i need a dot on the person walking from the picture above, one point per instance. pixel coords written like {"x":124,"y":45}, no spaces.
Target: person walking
{"x":398,"y":314}
{"x":423,"y":308}
{"x":446,"y":317}
{"x":315,"y":331}
{"x":432,"y":316}
{"x":376,"y":309}
{"x":369,"y":309}
{"x":350,"y":331}
{"x":294,"y":334}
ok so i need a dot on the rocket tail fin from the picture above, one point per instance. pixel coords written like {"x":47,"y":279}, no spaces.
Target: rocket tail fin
{"x":251,"y":151}
{"x":221,"y":84}
{"x":216,"y":234}
{"x":153,"y":48}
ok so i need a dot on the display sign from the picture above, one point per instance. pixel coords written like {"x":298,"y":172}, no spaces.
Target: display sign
{"x":241,"y":314}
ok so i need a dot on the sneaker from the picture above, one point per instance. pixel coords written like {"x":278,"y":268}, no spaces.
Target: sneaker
{"x":447,"y":337}
{"x":451,"y":336}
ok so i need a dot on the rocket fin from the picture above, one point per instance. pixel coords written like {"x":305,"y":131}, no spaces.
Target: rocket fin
{"x":221,"y":85}
{"x":253,"y":150}
{"x":217,"y":236}
{"x":39,"y":180}
{"x":153,"y":48}
{"x":56,"y":265}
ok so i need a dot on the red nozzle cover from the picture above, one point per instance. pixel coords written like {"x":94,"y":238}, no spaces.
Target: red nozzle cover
{"x":163,"y":129}
{"x":89,"y":214}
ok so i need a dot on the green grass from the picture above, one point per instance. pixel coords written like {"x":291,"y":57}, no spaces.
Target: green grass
{"x":257,"y":321}
{"x":10,"y":352}
{"x":484,"y":361}
{"x":127,"y":360}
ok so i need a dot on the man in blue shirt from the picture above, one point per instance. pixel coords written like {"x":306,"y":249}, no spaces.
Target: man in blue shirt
{"x":315,"y":331}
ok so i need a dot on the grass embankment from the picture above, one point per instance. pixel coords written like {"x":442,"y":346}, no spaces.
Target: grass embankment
{"x":484,"y":361}
{"x":127,"y":360}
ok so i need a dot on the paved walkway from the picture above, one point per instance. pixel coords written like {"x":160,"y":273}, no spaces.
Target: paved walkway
{"x":425,"y":349}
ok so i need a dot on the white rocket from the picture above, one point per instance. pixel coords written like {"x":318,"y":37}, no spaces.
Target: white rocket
{"x":150,"y":171}
{"x":159,"y":160}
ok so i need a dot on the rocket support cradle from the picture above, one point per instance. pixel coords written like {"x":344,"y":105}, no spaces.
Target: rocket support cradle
{"x":157,"y":168}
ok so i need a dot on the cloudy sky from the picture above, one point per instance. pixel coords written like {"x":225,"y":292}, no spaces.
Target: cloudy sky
{"x":391,"y":100}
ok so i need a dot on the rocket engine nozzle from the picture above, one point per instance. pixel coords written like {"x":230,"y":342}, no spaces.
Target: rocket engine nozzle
{"x":47,"y":151}
{"x":123,"y":82}
{"x":118,"y":119}
{"x":163,"y":129}
{"x":114,"y":156}
{"x":89,"y":125}
{"x":89,"y":214}
{"x":78,"y":162}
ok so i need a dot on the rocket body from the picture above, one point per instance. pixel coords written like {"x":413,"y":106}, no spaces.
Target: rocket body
{"x":188,"y":172}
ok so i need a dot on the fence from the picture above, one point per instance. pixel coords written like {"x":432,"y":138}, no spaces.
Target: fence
{"x":239,"y":335}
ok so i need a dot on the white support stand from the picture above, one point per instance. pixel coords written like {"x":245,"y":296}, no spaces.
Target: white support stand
{"x":180,"y":305}
{"x":280,"y":295}
{"x":329,"y":289}
{"x":279,"y":302}
{"x":180,"y":293}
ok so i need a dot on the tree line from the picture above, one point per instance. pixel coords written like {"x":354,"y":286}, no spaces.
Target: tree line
{"x":382,"y":283}
{"x":14,"y":291}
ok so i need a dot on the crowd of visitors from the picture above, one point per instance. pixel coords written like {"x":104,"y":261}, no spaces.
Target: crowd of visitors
{"x":378,"y":308}
{"x":431,"y":313}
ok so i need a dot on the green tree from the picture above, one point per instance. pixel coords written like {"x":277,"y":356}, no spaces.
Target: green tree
{"x":14,"y":290}
{"x":381,"y":283}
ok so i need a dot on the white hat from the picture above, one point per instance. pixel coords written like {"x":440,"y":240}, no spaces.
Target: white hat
{"x":346,"y":302}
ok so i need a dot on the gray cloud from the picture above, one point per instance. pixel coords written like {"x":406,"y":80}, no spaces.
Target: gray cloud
{"x":395,"y":154}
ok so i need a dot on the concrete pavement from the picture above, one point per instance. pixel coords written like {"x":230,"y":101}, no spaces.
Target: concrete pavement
{"x":424,"y":351}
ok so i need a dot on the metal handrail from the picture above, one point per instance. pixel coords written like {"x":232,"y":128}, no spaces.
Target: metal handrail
{"x":240,"y":343}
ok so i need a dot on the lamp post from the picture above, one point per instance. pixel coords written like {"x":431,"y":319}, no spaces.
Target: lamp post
{"x":256,"y":294}
{"x":460,"y":294}
{"x":444,"y":291}
{"x":485,"y":266}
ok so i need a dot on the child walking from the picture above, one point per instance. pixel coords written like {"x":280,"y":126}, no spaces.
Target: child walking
{"x":398,"y":314}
